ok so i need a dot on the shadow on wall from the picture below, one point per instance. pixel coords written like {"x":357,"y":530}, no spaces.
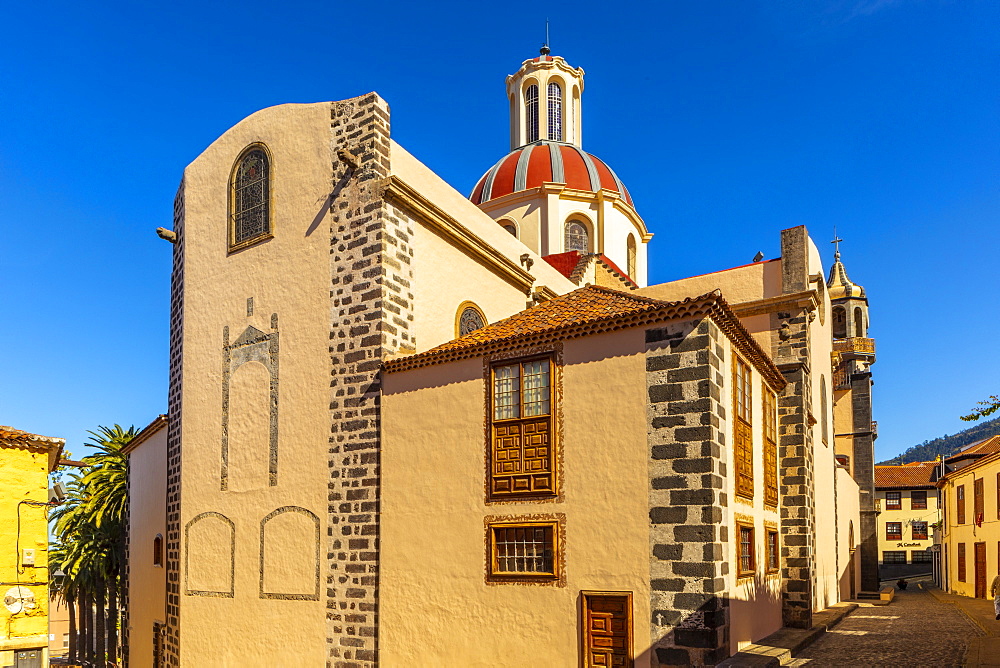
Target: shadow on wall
{"x":754,"y":609}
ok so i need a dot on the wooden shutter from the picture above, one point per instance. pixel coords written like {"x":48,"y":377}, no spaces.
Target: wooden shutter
{"x":977,"y":499}
{"x":960,"y":504}
{"x":742,"y":430}
{"x":522,"y":453}
{"x":961,"y":562}
{"x":770,"y":449}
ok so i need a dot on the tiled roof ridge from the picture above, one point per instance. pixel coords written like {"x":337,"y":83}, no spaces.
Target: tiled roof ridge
{"x":903,"y":476}
{"x":13,"y":437}
{"x":711,"y":304}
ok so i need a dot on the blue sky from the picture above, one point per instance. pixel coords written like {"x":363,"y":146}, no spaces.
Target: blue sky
{"x":728,"y":121}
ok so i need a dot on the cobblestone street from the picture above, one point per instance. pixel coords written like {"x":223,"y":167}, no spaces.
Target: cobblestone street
{"x":915,"y":630}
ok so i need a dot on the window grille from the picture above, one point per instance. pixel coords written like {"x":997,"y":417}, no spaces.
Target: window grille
{"x":893,"y":500}
{"x":921,"y":557}
{"x":522,"y":451}
{"x":523,"y":549}
{"x":919,"y":530}
{"x":772,"y":551}
{"x":743,"y":437}
{"x":531,"y":112}
{"x":251,"y":191}
{"x":894,"y":557}
{"x":894,"y":531}
{"x":555,"y":112}
{"x":470,"y":320}
{"x":747,"y":564}
{"x":577,"y":238}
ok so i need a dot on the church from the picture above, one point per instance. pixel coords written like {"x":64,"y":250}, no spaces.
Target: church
{"x":408,"y":426}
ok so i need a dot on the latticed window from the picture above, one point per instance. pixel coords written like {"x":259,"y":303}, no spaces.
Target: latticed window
{"x":921,"y":557}
{"x":918,"y":500}
{"x":960,"y":504}
{"x":522,"y":453}
{"x":523,"y":549}
{"x":919,"y":530}
{"x":630,"y":248}
{"x":745,"y":548}
{"x":531,"y":112}
{"x":770,"y":448}
{"x":894,"y":531}
{"x":893,"y":500}
{"x":470,"y":320}
{"x":772,"y":550}
{"x":555,"y":112}
{"x":896,"y":557}
{"x":743,"y":437}
{"x":577,"y":238}
{"x":251,"y":197}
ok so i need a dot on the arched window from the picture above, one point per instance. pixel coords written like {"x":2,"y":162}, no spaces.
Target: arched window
{"x":470,"y":318}
{"x":250,"y":193}
{"x":510,"y":228}
{"x":631,"y":257}
{"x":158,"y":550}
{"x":555,"y":112}
{"x":859,"y":322}
{"x":839,"y":322}
{"x":577,"y":238}
{"x":531,"y":112}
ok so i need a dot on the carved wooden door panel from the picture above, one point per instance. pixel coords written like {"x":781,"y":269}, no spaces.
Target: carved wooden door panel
{"x":607,"y":629}
{"x":980,"y":570}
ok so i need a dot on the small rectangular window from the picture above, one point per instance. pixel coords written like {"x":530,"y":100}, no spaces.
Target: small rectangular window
{"x":961,"y":562}
{"x":746,"y":552}
{"x":919,"y":530}
{"x":158,"y":550}
{"x":918,"y":500}
{"x":523,"y":550}
{"x":894,"y":557}
{"x":893,"y":500}
{"x":894,"y":531}
{"x":772,"y":551}
{"x":960,"y":504}
{"x":921,"y":557}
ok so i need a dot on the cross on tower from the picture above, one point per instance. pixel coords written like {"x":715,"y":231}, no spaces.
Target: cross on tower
{"x":836,"y":242}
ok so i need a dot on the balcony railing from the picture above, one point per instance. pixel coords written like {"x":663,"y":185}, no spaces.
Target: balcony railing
{"x":874,"y":428}
{"x":858,"y":345}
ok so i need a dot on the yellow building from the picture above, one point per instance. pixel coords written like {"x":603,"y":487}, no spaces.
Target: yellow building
{"x":25,"y":462}
{"x":908,"y":499}
{"x":971,"y":526}
{"x":337,"y":476}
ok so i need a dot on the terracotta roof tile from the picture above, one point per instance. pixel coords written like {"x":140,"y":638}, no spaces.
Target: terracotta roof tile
{"x":591,"y":310}
{"x":987,"y":446}
{"x":17,"y":438}
{"x":915,"y":474}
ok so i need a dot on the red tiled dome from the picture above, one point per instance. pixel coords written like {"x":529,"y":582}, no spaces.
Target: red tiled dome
{"x":547,"y":162}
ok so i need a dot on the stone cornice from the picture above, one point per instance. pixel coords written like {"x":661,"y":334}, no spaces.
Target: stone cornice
{"x":807,"y":299}
{"x":398,"y":192}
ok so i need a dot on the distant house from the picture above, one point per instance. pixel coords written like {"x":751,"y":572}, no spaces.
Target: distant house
{"x":907,"y":496}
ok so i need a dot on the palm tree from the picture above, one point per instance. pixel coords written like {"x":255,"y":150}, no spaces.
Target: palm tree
{"x":90,"y":530}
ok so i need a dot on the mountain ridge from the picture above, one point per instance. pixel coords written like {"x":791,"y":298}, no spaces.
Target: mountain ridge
{"x":945,"y":445}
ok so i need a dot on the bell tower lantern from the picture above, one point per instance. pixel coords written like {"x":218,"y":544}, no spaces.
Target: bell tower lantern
{"x":544,"y":98}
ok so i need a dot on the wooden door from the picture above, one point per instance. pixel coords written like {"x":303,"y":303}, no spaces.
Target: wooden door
{"x":980,"y":570}
{"x":607,"y":629}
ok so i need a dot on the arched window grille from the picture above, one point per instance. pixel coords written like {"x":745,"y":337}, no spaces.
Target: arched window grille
{"x":251,"y":196}
{"x":531,"y":112}
{"x":577,"y":238}
{"x":555,"y":112}
{"x":631,"y":257}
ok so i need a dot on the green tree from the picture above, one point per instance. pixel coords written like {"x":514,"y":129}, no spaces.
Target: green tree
{"x":90,"y":543}
{"x":983,"y":408}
